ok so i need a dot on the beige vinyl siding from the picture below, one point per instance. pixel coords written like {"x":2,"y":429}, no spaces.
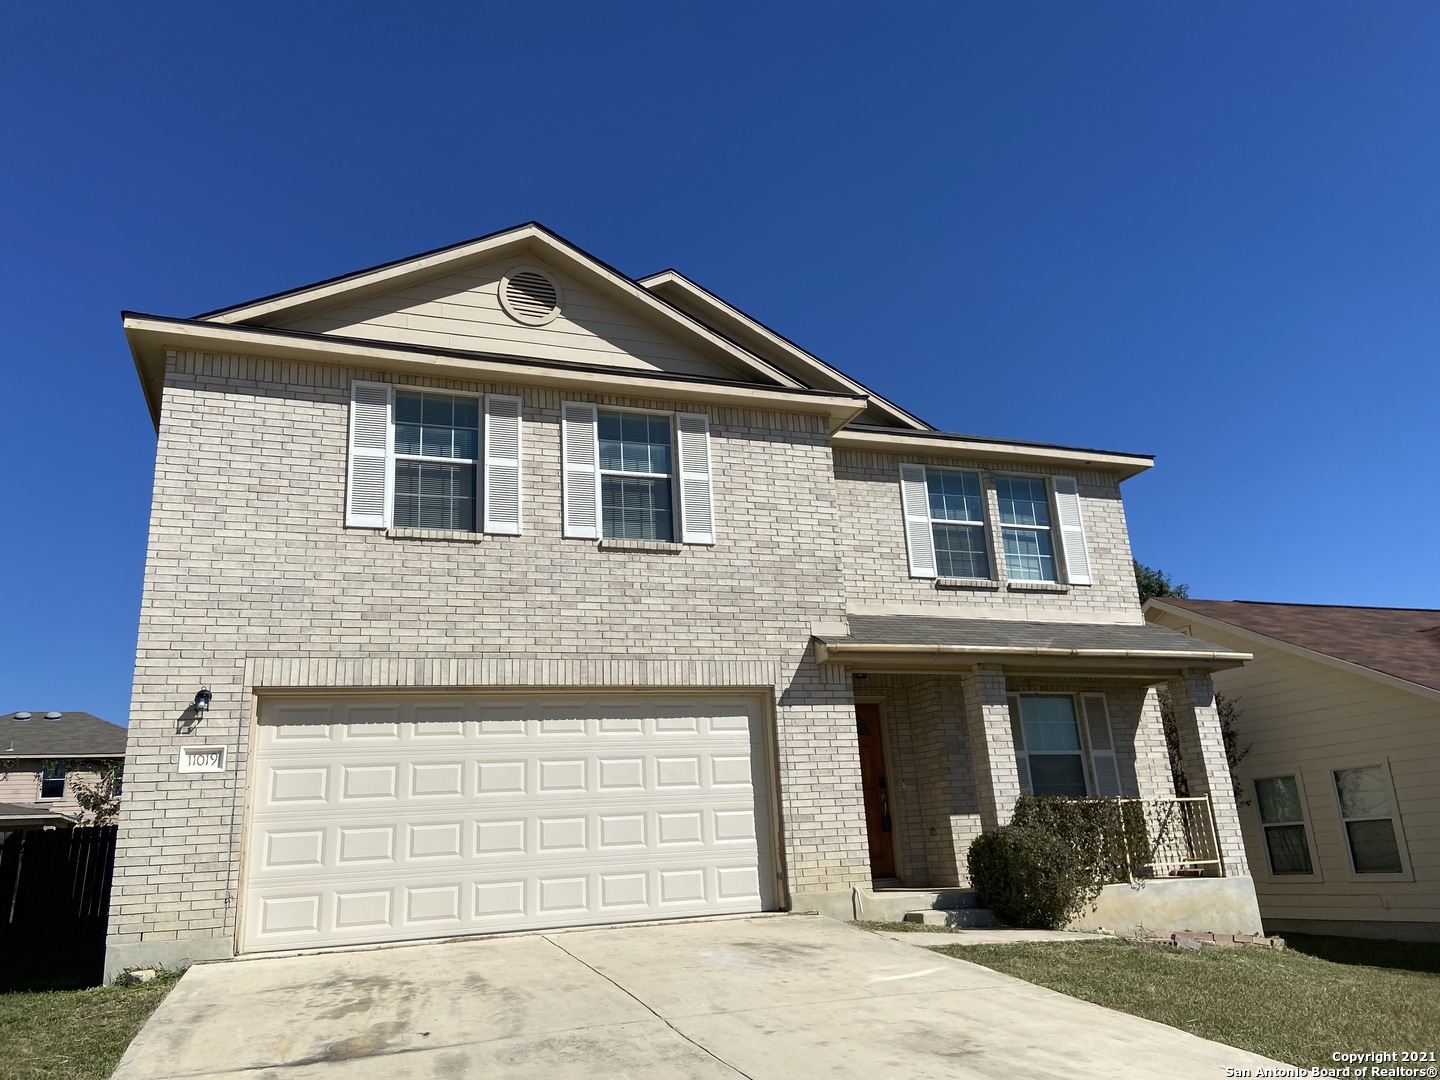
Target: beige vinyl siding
{"x":877,"y":569}
{"x":1304,"y":717}
{"x":462,"y":311}
{"x":22,"y":785}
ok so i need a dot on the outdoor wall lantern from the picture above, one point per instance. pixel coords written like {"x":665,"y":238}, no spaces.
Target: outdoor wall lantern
{"x":202,"y":702}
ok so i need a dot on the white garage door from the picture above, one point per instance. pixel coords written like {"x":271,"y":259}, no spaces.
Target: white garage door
{"x":385,"y":819}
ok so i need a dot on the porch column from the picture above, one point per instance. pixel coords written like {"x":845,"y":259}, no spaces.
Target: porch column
{"x":1202,"y":748}
{"x":987,"y":717}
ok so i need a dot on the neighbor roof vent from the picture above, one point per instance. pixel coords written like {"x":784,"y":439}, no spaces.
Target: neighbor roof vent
{"x":530,"y":295}
{"x":53,"y":715}
{"x":22,"y":716}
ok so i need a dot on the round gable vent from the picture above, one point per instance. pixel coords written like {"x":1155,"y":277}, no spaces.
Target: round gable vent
{"x":530,"y":295}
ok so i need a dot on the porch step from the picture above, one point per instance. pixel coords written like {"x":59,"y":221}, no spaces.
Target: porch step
{"x":890,"y":905}
{"x":967,"y":918}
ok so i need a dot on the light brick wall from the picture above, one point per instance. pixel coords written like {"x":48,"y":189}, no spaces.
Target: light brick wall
{"x":877,"y":570}
{"x":253,"y":581}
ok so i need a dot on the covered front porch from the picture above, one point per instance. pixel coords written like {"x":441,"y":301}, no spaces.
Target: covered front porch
{"x":956,"y":718}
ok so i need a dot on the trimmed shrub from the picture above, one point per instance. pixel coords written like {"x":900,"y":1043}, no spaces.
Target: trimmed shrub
{"x":1030,"y":877}
{"x":1105,"y":835}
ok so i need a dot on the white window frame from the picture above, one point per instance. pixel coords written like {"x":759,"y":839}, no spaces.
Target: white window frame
{"x":673,"y":475}
{"x":983,"y":523}
{"x":1027,"y":782}
{"x":63,"y":778}
{"x":1304,"y":822}
{"x":478,"y":462}
{"x":1056,"y":558}
{"x":1383,"y":766}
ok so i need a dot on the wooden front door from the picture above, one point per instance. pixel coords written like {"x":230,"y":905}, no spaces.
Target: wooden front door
{"x":876,"y":790}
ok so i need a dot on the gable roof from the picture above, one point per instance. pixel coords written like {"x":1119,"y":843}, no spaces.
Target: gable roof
{"x":72,"y":734}
{"x":1403,"y":643}
{"x":750,"y":333}
{"x":533,"y":238}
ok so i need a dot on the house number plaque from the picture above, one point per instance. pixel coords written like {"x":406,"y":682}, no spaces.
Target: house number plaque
{"x":202,"y":759}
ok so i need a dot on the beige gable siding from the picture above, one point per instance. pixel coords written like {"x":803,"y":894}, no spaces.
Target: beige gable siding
{"x":462,"y":311}
{"x":877,"y":570}
{"x":1300,"y":716}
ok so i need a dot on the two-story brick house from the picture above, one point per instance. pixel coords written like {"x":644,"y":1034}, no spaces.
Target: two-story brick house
{"x":527,"y":594}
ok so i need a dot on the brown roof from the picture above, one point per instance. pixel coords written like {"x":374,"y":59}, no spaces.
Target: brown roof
{"x":1403,"y":642}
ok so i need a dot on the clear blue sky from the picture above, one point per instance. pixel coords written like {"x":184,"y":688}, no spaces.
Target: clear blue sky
{"x":1205,"y":231}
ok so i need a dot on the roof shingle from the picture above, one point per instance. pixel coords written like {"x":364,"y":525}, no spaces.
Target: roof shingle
{"x":1401,"y":642}
{"x":72,"y":734}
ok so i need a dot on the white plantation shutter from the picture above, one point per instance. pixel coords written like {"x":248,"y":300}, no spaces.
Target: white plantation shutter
{"x":1102,"y":746}
{"x":502,"y":464}
{"x":580,"y":450}
{"x":697,"y":511}
{"x":1072,"y":530}
{"x":367,"y":496}
{"x":1017,"y":733}
{"x":919,"y":540}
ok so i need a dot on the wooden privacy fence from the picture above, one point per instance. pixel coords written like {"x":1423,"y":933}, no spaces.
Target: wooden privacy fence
{"x":56,"y":879}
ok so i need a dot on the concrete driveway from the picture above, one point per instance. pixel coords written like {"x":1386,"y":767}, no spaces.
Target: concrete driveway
{"x":795,"y":996}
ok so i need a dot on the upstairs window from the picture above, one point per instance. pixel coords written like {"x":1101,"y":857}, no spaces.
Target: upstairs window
{"x":1367,"y":809}
{"x":437,"y":448}
{"x":1282,"y":819}
{"x":1025,"y":528}
{"x":636,"y":477}
{"x":957,"y":523}
{"x":52,"y":781}
{"x":420,"y":459}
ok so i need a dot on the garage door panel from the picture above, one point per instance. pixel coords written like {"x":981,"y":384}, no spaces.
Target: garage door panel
{"x":394,"y":820}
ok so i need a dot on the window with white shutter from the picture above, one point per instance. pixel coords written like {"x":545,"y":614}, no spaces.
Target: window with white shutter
{"x":580,"y":465}
{"x":915,"y":503}
{"x":502,"y":464}
{"x":368,"y":479}
{"x":416,"y":460}
{"x":1072,"y":530}
{"x":697,"y":511}
{"x":1017,"y":734}
{"x":1102,"y":746}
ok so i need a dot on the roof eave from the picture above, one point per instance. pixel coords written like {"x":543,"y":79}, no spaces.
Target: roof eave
{"x":151,"y":335}
{"x":940,"y":444}
{"x":724,"y":312}
{"x":1158,"y":604}
{"x":1157,"y":662}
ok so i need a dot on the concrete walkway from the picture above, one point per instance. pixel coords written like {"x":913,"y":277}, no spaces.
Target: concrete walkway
{"x":764,"y":999}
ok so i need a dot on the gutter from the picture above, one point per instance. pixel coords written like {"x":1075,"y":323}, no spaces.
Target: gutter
{"x":832,"y":652}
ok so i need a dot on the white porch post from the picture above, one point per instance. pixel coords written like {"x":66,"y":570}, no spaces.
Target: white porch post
{"x":1202,"y":748}
{"x":987,"y":717}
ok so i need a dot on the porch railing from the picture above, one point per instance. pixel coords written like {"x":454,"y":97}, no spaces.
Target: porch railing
{"x":1176,"y":838}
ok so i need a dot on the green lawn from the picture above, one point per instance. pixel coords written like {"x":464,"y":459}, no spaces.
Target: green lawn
{"x":55,"y":1024}
{"x":1297,"y":1005}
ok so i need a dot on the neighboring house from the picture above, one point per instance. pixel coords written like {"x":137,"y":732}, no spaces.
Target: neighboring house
{"x":42,"y":754}
{"x":527,"y":594}
{"x":1340,"y":710}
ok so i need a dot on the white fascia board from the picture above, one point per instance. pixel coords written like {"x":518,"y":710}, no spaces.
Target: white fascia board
{"x":151,"y":336}
{"x":726,"y":317}
{"x":833,"y":651}
{"x":1188,"y":616}
{"x":960,"y":446}
{"x":526,"y":237}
